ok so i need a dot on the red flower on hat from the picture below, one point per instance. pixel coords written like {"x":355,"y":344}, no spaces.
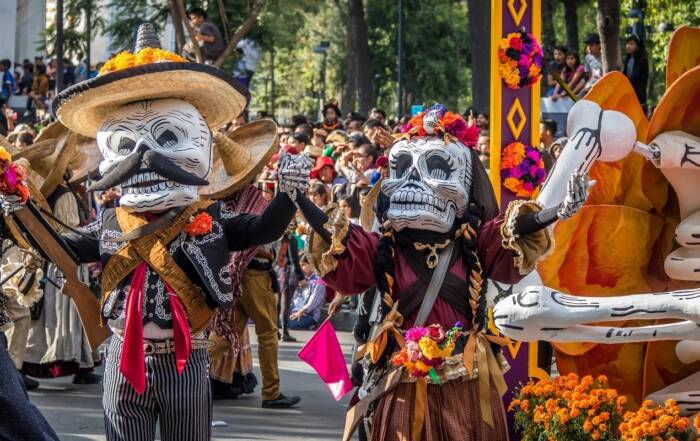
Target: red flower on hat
{"x":199,"y":225}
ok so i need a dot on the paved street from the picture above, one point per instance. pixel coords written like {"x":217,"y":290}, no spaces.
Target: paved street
{"x":75,"y":412}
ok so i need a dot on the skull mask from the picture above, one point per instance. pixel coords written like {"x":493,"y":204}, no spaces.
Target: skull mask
{"x":176,"y":143}
{"x":429,"y":183}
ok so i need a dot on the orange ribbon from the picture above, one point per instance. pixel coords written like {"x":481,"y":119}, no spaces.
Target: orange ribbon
{"x":420,"y":406}
{"x":376,"y":346}
{"x":488,"y":368}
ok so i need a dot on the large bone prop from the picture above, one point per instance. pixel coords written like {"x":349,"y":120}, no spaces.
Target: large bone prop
{"x":594,"y":134}
{"x":541,"y":313}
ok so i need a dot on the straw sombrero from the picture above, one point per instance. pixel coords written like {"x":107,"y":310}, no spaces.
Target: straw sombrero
{"x":52,"y":168}
{"x":239,"y":157}
{"x":150,"y":73}
{"x":44,"y":144}
{"x":86,"y":160}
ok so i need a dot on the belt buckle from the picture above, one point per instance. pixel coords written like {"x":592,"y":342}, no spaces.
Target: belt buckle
{"x":148,"y":348}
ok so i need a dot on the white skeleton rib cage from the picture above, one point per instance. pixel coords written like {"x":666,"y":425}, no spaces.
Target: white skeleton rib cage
{"x":537,"y":312}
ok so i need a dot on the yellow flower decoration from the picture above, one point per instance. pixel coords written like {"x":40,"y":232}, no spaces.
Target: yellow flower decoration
{"x":5,"y":155}
{"x":149,"y":55}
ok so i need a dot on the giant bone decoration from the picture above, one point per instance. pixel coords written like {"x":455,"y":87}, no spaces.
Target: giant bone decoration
{"x":541,"y":313}
{"x":429,"y":183}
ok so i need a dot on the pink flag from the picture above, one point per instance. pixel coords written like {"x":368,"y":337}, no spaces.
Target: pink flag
{"x":323,"y":353}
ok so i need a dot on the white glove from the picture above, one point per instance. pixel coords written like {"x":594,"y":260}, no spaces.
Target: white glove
{"x":577,"y":191}
{"x":10,"y":203}
{"x":293,"y":173}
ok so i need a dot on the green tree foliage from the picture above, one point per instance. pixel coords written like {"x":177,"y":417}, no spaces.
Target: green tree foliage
{"x":75,"y":37}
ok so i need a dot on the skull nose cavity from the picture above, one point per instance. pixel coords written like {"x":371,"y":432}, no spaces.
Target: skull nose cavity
{"x":414,"y":175}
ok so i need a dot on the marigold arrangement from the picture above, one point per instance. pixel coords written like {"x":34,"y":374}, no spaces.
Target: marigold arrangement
{"x":450,"y":123}
{"x":125,"y":59}
{"x":520,"y":57}
{"x":656,"y":423}
{"x":199,"y":225}
{"x":522,"y":169}
{"x":426,"y":349}
{"x":13,"y":177}
{"x":568,"y":409}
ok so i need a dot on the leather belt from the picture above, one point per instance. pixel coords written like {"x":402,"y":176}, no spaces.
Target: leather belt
{"x":158,"y":347}
{"x":167,"y":346}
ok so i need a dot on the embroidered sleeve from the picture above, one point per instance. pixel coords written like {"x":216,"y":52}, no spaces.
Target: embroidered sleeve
{"x":529,"y":248}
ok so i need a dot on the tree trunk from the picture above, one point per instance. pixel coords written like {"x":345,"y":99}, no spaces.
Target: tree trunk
{"x":350,"y":86}
{"x":480,"y":51}
{"x":609,"y":30}
{"x":177,"y":25}
{"x":571,"y":21}
{"x":190,"y":30}
{"x":245,"y":27}
{"x":548,"y":37}
{"x":362,"y":61}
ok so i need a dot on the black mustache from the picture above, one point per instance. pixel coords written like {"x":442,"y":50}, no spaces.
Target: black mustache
{"x":157,"y":162}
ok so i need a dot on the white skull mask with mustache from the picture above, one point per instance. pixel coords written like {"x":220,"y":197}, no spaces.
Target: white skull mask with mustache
{"x":429,"y":184}
{"x":170,"y":127}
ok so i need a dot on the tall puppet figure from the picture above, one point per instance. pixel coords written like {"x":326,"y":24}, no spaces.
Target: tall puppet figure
{"x":443,"y":236}
{"x":165,"y":254}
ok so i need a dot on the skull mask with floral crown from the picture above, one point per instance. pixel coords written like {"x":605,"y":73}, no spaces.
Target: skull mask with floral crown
{"x":428,"y":186}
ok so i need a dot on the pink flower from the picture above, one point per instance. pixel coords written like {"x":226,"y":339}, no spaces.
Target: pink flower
{"x":436,"y":333}
{"x":416,"y":333}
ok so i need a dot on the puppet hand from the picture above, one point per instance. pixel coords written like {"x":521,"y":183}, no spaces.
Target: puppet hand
{"x":10,"y":203}
{"x":293,"y":173}
{"x":577,"y":191}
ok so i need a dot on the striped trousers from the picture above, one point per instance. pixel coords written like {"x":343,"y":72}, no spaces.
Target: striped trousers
{"x":182,"y":403}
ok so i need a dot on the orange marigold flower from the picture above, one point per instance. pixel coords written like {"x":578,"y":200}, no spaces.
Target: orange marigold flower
{"x":199,"y":225}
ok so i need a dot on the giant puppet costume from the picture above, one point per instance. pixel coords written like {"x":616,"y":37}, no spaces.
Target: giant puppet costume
{"x":165,"y":254}
{"x":634,"y":245}
{"x":442,"y":217}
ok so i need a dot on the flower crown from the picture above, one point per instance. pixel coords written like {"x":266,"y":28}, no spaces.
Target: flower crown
{"x":438,"y":121}
{"x":148,"y":55}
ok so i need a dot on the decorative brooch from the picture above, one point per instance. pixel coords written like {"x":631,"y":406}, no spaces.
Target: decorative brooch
{"x":200,"y":224}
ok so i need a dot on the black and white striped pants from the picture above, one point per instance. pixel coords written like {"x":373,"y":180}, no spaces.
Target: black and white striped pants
{"x":182,"y":403}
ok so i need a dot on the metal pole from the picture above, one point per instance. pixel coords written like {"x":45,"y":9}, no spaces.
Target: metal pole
{"x":272,"y":82}
{"x":399,"y":70}
{"x":59,"y":45}
{"x":323,"y":79}
{"x":88,"y":29}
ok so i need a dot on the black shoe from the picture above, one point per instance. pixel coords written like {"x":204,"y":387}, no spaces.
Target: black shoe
{"x":287,"y":337}
{"x":83,"y":377}
{"x":281,"y":402}
{"x":224,"y":391}
{"x":29,"y":383}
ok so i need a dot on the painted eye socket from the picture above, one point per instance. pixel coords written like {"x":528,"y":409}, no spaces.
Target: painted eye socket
{"x":167,"y":139}
{"x":402,"y":163}
{"x":125,"y":145}
{"x":438,"y":167}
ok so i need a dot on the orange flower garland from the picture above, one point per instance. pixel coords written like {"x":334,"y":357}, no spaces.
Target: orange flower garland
{"x":149,"y":55}
{"x":656,"y":423}
{"x":568,"y":409}
{"x":199,"y":225}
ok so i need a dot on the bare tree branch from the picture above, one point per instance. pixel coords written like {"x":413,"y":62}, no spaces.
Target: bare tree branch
{"x":190,"y":30}
{"x":177,"y":25}
{"x":224,"y":20}
{"x":243,"y":29}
